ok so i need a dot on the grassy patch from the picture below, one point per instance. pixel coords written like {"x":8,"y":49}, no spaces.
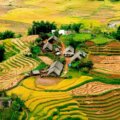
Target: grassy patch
{"x":100,"y":39}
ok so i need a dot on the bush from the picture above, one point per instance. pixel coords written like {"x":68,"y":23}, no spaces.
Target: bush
{"x":82,"y":64}
{"x":6,"y":34}
{"x":118,"y":33}
{"x":85,"y":70}
{"x":18,"y":36}
{"x":2,"y":52}
{"x":62,"y":60}
{"x":35,"y":50}
{"x":38,"y":40}
{"x":41,"y":26}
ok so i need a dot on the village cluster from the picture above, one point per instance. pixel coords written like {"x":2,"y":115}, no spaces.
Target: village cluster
{"x":54,"y":46}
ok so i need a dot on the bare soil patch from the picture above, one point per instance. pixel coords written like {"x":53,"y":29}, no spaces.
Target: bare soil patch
{"x":46,"y":59}
{"x":93,"y":88}
{"x":47,"y":81}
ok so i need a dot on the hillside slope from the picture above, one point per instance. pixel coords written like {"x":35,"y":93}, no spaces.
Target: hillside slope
{"x":25,"y":11}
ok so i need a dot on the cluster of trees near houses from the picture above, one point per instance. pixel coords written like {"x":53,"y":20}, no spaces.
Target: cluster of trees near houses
{"x":10,"y":106}
{"x":44,"y":28}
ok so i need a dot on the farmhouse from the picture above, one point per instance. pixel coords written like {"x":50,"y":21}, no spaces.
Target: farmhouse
{"x":55,"y":69}
{"x":53,"y":39}
{"x":57,"y":51}
{"x":48,"y":47}
{"x":64,"y":32}
{"x":78,"y":56}
{"x":69,"y":51}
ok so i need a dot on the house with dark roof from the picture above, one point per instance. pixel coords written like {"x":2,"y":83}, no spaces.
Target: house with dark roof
{"x":52,"y":39}
{"x":69,"y":51}
{"x":78,"y":56}
{"x":48,"y":47}
{"x":57,"y":51}
{"x":55,"y":69}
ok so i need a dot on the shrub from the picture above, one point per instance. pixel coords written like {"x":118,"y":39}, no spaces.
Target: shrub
{"x":6,"y":34}
{"x":85,"y":70}
{"x":82,"y":64}
{"x":38,"y":40}
{"x":118,"y":33}
{"x":62,"y":60}
{"x":2,"y":52}
{"x":35,"y":50}
{"x":43,"y":35}
{"x":18,"y":36}
{"x":41,"y":26}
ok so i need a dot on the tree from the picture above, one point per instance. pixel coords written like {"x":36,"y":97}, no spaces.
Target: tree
{"x":62,"y":60}
{"x":118,"y":33}
{"x":43,"y":35}
{"x":2,"y":52}
{"x":42,"y":26}
{"x":35,"y":50}
{"x":76,"y":27}
{"x":6,"y":34}
{"x":38,"y":40}
{"x":66,"y":27}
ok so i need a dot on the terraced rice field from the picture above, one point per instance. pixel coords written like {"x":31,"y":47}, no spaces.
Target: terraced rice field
{"x":24,"y":12}
{"x":12,"y":70}
{"x":101,"y":107}
{"x":93,"y":88}
{"x":112,"y":48}
{"x":66,"y":84}
{"x":18,"y":45}
{"x":62,"y":105}
{"x":47,"y":105}
{"x":106,"y":64}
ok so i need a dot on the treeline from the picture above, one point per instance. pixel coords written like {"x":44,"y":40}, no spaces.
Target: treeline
{"x":6,"y":34}
{"x":44,"y":27}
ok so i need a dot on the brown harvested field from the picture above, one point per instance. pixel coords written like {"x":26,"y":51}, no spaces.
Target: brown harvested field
{"x":101,"y":107}
{"x":114,"y":44}
{"x":46,"y":81}
{"x":93,"y":88}
{"x":106,"y":64}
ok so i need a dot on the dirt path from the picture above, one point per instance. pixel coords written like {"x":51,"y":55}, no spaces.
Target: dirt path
{"x":46,"y":59}
{"x":67,"y":59}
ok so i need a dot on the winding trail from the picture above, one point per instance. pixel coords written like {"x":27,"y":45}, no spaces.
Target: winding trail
{"x":67,"y":59}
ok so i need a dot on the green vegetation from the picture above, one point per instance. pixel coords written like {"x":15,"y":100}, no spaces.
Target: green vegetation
{"x":2,"y":52}
{"x":42,"y":26}
{"x":83,"y":65}
{"x":12,"y":110}
{"x":73,"y":27}
{"x":35,"y":50}
{"x":41,"y":66}
{"x":6,"y":34}
{"x":117,"y":35}
{"x":101,"y":39}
